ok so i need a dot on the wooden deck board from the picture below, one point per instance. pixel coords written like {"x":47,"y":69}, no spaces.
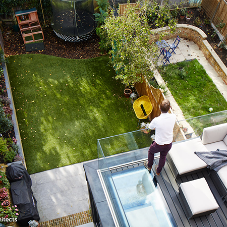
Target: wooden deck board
{"x":169,"y":186}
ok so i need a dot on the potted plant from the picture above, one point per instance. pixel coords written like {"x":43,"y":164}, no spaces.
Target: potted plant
{"x":33,"y":223}
{"x":182,"y":13}
{"x":189,"y":15}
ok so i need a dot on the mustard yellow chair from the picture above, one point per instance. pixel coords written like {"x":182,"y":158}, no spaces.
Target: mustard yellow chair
{"x":142,"y":107}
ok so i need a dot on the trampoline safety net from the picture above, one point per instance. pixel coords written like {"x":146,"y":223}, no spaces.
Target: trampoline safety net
{"x":73,"y":20}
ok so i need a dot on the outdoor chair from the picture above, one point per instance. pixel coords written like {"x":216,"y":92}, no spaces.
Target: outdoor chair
{"x":167,"y":55}
{"x":161,"y":44}
{"x":174,"y":45}
{"x":142,"y":107}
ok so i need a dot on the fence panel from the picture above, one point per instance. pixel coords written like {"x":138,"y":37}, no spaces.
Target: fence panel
{"x":216,"y":10}
{"x":155,"y":96}
{"x":122,"y":7}
{"x":210,"y":6}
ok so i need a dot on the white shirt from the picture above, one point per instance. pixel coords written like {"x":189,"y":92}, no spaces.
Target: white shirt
{"x":163,"y":126}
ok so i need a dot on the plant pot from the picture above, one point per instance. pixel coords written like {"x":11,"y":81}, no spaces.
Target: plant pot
{"x":127,"y":92}
{"x":182,"y":17}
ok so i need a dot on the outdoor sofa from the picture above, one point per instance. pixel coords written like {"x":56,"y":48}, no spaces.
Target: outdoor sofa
{"x":183,"y":159}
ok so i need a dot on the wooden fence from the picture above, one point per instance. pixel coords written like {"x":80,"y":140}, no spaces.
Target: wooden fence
{"x":122,"y":7}
{"x":216,"y":10}
{"x":155,"y":96}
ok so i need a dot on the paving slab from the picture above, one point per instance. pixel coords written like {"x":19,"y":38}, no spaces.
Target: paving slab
{"x":60,"y":192}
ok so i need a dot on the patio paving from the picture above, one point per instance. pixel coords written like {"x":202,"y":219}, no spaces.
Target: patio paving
{"x":62,"y":192}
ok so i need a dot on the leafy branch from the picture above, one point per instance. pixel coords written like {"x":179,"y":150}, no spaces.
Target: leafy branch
{"x":133,"y":53}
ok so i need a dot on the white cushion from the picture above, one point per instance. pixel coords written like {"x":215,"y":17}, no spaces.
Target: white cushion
{"x":184,"y":158}
{"x":214,"y":133}
{"x":217,"y":145}
{"x":225,"y":140}
{"x":222,"y":173}
{"x":198,"y":196}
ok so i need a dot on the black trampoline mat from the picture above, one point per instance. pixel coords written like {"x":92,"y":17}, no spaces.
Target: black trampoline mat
{"x":34,"y":46}
{"x":64,"y":23}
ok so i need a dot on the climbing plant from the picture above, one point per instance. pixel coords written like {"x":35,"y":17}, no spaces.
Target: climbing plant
{"x":129,"y":35}
{"x":100,"y":16}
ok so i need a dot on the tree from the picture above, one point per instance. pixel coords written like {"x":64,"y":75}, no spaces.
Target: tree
{"x":133,"y":53}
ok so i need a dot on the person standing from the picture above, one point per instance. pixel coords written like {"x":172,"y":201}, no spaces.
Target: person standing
{"x":163,"y":126}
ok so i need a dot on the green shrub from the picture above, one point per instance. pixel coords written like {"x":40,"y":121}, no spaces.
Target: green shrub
{"x":5,"y":123}
{"x":3,"y":146}
{"x":12,"y":144}
{"x":9,"y":156}
{"x":15,"y":147}
{"x":4,"y":180}
{"x":198,"y":22}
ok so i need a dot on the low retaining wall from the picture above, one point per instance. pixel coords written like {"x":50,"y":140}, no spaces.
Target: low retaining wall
{"x":196,"y":35}
{"x":14,"y":117}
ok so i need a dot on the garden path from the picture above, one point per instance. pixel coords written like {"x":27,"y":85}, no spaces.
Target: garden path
{"x":62,"y":193}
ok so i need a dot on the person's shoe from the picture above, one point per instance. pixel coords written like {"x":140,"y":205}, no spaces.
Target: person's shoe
{"x":156,"y":171}
{"x":146,"y":166}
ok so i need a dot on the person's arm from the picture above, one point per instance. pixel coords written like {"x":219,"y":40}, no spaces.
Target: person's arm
{"x":150,"y":126}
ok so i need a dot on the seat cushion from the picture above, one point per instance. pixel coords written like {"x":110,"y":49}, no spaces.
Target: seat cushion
{"x":225,"y":140}
{"x":199,"y":196}
{"x":214,"y":133}
{"x":217,"y":145}
{"x":184,"y":158}
{"x":222,"y":173}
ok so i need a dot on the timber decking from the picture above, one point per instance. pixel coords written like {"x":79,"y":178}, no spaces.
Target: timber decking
{"x":170,"y":189}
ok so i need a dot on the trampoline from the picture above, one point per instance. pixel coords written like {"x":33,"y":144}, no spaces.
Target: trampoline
{"x":73,"y":20}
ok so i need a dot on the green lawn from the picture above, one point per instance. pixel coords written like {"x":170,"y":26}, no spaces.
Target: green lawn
{"x":63,"y":106}
{"x":192,"y":88}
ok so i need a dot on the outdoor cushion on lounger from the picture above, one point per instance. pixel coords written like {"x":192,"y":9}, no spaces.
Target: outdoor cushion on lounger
{"x":214,"y":134}
{"x":220,"y":181}
{"x":197,"y":198}
{"x":183,"y":156}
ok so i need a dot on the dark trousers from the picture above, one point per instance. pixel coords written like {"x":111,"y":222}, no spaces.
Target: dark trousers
{"x":155,"y":148}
